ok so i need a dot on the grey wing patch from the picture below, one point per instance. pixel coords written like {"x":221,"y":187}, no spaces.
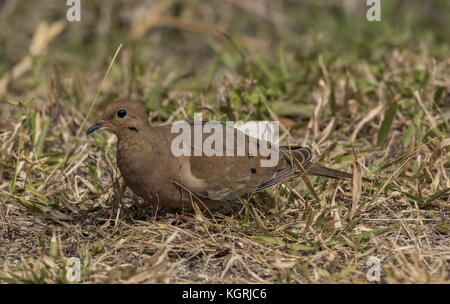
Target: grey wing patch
{"x":294,"y":156}
{"x":278,"y":177}
{"x":302,"y":155}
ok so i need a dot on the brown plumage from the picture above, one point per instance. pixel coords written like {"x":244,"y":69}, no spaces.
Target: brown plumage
{"x":153,"y":172}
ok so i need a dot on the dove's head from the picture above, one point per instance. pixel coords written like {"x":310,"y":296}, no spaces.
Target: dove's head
{"x":123,"y":118}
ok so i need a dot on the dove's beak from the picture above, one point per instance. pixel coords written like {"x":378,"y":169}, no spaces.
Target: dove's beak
{"x":98,"y":125}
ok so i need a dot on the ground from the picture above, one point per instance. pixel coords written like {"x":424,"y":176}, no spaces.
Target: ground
{"x":370,"y":98}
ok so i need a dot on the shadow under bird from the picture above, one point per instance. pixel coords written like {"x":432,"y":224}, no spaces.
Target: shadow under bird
{"x":153,"y":172}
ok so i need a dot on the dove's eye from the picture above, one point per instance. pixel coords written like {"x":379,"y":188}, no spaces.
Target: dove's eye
{"x":121,"y":113}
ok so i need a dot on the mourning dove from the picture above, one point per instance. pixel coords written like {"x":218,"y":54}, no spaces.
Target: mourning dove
{"x":149,"y":166}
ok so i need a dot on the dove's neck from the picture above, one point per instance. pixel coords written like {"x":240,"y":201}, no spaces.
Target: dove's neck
{"x":135,"y":141}
{"x":133,"y":155}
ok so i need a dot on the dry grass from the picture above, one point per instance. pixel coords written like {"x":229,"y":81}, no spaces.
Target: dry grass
{"x":384,"y":114}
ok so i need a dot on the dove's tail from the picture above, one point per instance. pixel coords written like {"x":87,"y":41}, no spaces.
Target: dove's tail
{"x":318,"y":170}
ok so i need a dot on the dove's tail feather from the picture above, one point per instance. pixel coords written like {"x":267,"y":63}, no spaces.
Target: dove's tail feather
{"x":319,"y":170}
